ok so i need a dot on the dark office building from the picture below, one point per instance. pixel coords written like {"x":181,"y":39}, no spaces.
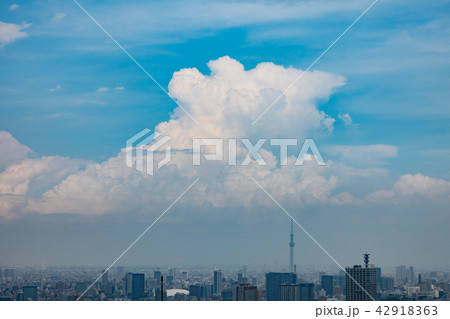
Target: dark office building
{"x":246,"y":292}
{"x":274,"y":280}
{"x":227,"y":295}
{"x":217,"y":282}
{"x":29,"y":293}
{"x":200,"y":292}
{"x":297,"y":292}
{"x":137,"y":287}
{"x":327,"y":285}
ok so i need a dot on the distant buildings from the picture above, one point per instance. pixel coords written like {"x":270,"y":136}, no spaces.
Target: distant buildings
{"x":80,"y":287}
{"x":246,"y":292}
{"x":274,"y":280}
{"x":200,"y":292}
{"x":297,"y":292}
{"x":404,"y":275}
{"x":236,"y":284}
{"x":387,"y":283}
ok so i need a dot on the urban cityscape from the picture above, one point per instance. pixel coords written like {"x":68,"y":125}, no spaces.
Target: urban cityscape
{"x":357,"y":283}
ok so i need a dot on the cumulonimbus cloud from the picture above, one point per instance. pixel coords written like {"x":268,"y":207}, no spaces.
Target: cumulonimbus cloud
{"x":224,"y":103}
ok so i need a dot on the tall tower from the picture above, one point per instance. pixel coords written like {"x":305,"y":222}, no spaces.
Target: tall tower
{"x":291,"y":245}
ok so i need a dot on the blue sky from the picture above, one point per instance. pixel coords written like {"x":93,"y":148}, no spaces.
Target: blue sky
{"x":394,"y":61}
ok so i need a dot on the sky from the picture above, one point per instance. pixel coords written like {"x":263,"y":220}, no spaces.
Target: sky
{"x":376,"y":105}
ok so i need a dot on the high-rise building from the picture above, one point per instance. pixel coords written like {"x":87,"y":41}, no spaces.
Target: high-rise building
{"x":29,"y":293}
{"x":104,"y":278}
{"x":246,"y":292}
{"x":127,"y":281}
{"x":120,"y":271}
{"x":378,"y":279}
{"x":291,"y":245}
{"x":274,"y":281}
{"x":404,"y":275}
{"x":217,"y":283}
{"x":327,"y":284}
{"x":360,"y":282}
{"x":157,"y":277}
{"x":137,"y":287}
{"x":387,"y":283}
{"x":184,"y":275}
{"x":134,"y":286}
{"x":171,"y":275}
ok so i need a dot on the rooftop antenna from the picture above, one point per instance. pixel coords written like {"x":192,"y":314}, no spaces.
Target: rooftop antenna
{"x":366,"y":259}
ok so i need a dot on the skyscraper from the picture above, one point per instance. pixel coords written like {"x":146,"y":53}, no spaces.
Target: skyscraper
{"x":217,"y":283}
{"x":274,"y":280}
{"x":360,"y":282}
{"x":104,"y":278}
{"x":120,"y":271}
{"x":137,"y":287}
{"x":171,"y":275}
{"x":134,"y":286}
{"x":291,"y":245}
{"x":157,"y":277}
{"x":327,"y":284}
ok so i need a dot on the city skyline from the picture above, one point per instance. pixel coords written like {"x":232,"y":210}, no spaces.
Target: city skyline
{"x":238,"y":284}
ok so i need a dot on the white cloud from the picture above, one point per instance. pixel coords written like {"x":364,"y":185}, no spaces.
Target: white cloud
{"x":13,"y":7}
{"x":58,"y":17}
{"x":413,"y":188}
{"x":227,"y":101}
{"x":106,"y":89}
{"x":33,"y":175}
{"x":224,"y":103}
{"x":11,"y":151}
{"x":56,"y":88}
{"x":366,"y":155}
{"x":10,"y":32}
{"x":345,"y":118}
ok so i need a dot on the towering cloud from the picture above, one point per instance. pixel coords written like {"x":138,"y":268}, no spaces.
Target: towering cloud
{"x":224,"y":103}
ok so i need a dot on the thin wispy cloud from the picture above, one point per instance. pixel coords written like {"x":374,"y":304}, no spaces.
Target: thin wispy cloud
{"x":106,"y":89}
{"x":13,"y":7}
{"x":55,"y":89}
{"x":58,"y":17}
